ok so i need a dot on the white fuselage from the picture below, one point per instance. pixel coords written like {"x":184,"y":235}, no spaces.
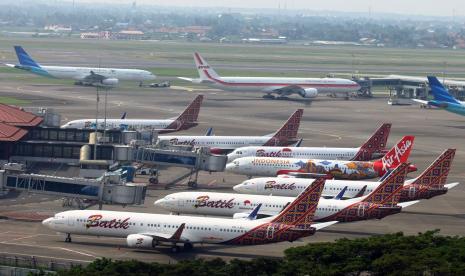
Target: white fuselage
{"x":129,"y":124}
{"x":284,"y":186}
{"x":79,"y":73}
{"x":122,"y":224}
{"x":226,"y":204}
{"x":270,"y":84}
{"x":295,"y":152}
{"x":220,"y":142}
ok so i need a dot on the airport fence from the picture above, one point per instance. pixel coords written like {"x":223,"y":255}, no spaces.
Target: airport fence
{"x":9,"y":262}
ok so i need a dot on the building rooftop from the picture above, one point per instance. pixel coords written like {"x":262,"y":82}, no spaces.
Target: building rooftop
{"x":14,"y":116}
{"x":10,"y":133}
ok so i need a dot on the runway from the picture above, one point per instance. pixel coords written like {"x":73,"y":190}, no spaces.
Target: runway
{"x":326,"y":122}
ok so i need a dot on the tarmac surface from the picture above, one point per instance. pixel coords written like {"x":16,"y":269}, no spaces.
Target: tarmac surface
{"x":326,"y":122}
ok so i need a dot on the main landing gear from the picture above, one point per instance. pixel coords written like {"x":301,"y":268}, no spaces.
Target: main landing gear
{"x":68,"y":237}
{"x":187,"y":247}
{"x":269,"y":96}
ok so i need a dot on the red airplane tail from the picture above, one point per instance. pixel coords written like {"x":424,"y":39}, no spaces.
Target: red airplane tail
{"x":188,"y":118}
{"x":287,"y":134}
{"x":435,"y":176}
{"x":395,"y":156}
{"x":387,"y":192}
{"x":375,"y":144}
{"x":301,"y":211}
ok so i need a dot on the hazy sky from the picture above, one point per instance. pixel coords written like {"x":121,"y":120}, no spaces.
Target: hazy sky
{"x":415,"y":7}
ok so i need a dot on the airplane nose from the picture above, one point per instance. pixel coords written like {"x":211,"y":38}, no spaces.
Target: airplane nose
{"x":160,"y":202}
{"x":47,"y":222}
{"x":238,"y":188}
{"x":230,"y":167}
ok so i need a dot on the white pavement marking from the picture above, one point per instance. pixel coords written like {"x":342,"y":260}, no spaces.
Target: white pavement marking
{"x":50,"y":247}
{"x":43,"y":256}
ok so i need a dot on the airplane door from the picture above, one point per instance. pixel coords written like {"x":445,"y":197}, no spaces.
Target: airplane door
{"x":412,"y":191}
{"x":70,"y":221}
{"x":270,"y":232}
{"x":181,"y":203}
{"x":361,"y":210}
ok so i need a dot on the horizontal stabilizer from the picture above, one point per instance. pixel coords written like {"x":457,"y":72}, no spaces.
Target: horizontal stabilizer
{"x":408,"y":203}
{"x":322,"y":225}
{"x":451,"y":185}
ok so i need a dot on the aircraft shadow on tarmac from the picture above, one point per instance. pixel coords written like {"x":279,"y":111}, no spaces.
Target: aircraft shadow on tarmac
{"x":459,"y":216}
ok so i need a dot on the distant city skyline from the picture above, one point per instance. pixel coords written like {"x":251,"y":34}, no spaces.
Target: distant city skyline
{"x":413,"y":7}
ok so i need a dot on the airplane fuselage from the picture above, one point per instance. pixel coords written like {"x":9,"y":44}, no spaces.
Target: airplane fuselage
{"x":130,"y":124}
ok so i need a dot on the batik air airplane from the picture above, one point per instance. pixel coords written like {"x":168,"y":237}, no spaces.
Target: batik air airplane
{"x":286,"y":135}
{"x":374,"y":147}
{"x":305,"y":87}
{"x":145,"y":230}
{"x":81,"y":75}
{"x":442,"y":98}
{"x":187,"y":119}
{"x":383,"y":201}
{"x":273,"y":166}
{"x":430,"y":183}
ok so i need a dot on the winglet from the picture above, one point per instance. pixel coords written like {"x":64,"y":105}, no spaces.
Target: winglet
{"x":299,"y":143}
{"x":341,"y":193}
{"x":24,"y":59}
{"x":209,"y":131}
{"x":177,"y":235}
{"x":361,"y":192}
{"x":435,"y":176}
{"x":288,"y":131}
{"x":301,"y":211}
{"x":254,"y":213}
{"x":440,"y":93}
{"x":375,"y":144}
{"x":123,"y":116}
{"x":387,"y":191}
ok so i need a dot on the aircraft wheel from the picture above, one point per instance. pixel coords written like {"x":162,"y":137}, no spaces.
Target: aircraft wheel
{"x":269,"y":96}
{"x":188,"y":246}
{"x":68,"y":238}
{"x":175,"y":249}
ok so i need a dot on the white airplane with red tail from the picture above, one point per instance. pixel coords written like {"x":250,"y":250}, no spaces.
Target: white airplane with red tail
{"x":285,"y":136}
{"x":305,"y":87}
{"x":374,"y":147}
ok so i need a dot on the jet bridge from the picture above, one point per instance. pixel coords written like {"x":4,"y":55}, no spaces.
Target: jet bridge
{"x":109,"y":189}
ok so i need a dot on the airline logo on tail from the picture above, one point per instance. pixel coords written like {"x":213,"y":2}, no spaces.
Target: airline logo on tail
{"x":386,"y":192}
{"x":188,"y":117}
{"x":435,"y":176}
{"x":376,"y":143}
{"x":398,"y":154}
{"x":288,"y":132}
{"x":440,"y":93}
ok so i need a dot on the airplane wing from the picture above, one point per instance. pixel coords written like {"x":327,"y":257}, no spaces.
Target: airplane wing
{"x":9,"y":65}
{"x":193,"y":80}
{"x":288,"y":90}
{"x":175,"y":237}
{"x":93,"y":78}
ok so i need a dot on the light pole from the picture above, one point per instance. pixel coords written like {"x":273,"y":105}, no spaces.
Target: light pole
{"x":96,"y":123}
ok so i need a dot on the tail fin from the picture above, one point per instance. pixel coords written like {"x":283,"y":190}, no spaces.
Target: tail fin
{"x":399,"y":153}
{"x":205,"y":71}
{"x":386,"y":192}
{"x":440,"y":93}
{"x":301,"y":211}
{"x":288,"y":131}
{"x":376,"y":143}
{"x":188,"y":117}
{"x":24,"y":58}
{"x":123,"y":116}
{"x":435,"y":176}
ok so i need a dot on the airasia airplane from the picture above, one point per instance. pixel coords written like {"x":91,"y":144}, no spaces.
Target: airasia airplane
{"x":286,"y":135}
{"x":430,"y":183}
{"x":305,"y":87}
{"x":272,"y":166}
{"x":144,"y":230}
{"x":374,"y":147}
{"x":187,"y":119}
{"x":381,"y":202}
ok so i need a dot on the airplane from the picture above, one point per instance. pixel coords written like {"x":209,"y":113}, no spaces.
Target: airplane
{"x":374,"y":147}
{"x":430,"y":183}
{"x":381,"y":202}
{"x":108,"y":77}
{"x":187,"y":119}
{"x":305,"y":87}
{"x":442,"y":98}
{"x":339,"y":169}
{"x":144,"y":230}
{"x":286,"y":135}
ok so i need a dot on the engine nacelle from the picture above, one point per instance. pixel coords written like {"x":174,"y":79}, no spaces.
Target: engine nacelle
{"x":110,"y":82}
{"x":309,"y":93}
{"x":240,"y":215}
{"x":140,"y":241}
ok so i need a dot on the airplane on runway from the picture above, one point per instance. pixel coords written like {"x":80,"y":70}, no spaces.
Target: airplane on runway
{"x":305,"y":87}
{"x":187,"y":119}
{"x":381,"y":202}
{"x":430,"y":183}
{"x":374,"y":147}
{"x":81,"y":75}
{"x":340,"y":169}
{"x":144,"y":230}
{"x":442,"y":98}
{"x":286,"y":135}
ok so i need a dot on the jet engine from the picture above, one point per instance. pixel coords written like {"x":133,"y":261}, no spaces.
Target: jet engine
{"x":309,"y":93}
{"x":110,"y":82}
{"x":140,"y":241}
